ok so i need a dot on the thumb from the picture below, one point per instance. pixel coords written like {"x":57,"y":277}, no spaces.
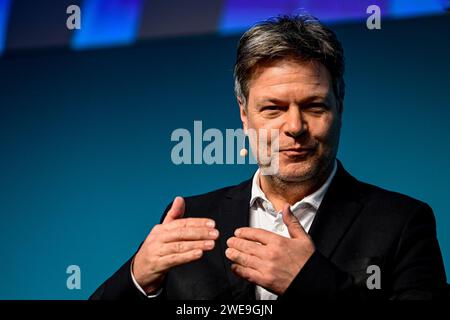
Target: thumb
{"x":294,"y":227}
{"x":176,"y":211}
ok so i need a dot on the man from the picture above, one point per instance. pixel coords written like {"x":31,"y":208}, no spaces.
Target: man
{"x":310,"y":230}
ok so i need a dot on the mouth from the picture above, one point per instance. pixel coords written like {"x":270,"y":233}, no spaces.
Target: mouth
{"x":297,"y":152}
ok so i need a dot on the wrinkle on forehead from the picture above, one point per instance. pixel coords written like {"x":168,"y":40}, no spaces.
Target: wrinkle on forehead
{"x":282,"y":76}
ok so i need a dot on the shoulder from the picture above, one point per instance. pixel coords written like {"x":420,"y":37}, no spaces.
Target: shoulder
{"x":209,"y":197}
{"x":391,"y":205}
{"x":208,"y":204}
{"x":378,"y":201}
{"x":394,"y":198}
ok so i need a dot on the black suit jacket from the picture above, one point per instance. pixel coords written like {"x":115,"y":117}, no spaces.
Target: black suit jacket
{"x":357,"y":225}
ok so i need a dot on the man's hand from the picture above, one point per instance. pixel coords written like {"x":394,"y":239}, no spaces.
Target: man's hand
{"x":174,"y":242}
{"x":267,"y":259}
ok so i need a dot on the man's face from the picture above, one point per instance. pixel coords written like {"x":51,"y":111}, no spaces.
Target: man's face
{"x":297,"y":99}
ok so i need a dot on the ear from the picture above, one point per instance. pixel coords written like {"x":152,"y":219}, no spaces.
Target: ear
{"x":243,"y":114}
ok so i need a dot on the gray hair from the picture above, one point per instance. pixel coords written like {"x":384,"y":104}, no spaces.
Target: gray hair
{"x":302,"y":37}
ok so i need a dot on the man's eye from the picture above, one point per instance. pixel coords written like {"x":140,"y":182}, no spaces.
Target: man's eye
{"x":316,"y":108}
{"x":269,"y":108}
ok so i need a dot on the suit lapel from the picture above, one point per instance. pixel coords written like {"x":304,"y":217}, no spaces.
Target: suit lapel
{"x":234,"y":213}
{"x":337,"y":212}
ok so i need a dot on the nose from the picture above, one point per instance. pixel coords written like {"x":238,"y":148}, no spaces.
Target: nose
{"x":295,"y":123}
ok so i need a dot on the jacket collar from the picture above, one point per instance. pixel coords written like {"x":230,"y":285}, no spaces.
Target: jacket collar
{"x":338,"y":210}
{"x":234,"y":213}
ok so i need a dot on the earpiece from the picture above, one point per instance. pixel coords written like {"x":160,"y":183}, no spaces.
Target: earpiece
{"x":244,"y":151}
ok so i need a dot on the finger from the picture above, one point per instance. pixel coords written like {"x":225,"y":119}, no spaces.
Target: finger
{"x":246,"y":246}
{"x":176,"y":211}
{"x":185,"y":246}
{"x":294,"y":227}
{"x":255,"y":234}
{"x":190,"y":223}
{"x":188,"y":234}
{"x":248,"y":274}
{"x":243,"y":259}
{"x":172,"y":260}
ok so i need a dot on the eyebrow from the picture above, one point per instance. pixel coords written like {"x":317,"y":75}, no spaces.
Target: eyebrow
{"x":271,"y":100}
{"x":306,"y":100}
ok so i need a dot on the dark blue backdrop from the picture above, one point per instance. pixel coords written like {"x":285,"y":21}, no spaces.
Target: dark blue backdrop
{"x":85,"y":167}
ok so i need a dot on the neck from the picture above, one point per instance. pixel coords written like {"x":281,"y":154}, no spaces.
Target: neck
{"x":279,"y":191}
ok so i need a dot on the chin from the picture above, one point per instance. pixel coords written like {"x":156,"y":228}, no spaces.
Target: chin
{"x":297,"y":171}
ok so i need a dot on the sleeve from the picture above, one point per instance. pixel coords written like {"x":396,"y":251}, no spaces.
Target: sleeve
{"x":418,"y":270}
{"x":139,"y":287}
{"x":119,"y":286}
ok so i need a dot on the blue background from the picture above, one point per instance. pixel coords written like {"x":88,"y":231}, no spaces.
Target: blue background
{"x":85,"y":169}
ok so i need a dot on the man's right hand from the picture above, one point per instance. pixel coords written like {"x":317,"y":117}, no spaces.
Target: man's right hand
{"x":174,"y":242}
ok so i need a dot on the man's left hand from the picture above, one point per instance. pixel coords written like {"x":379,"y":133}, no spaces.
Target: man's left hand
{"x":268,"y":259}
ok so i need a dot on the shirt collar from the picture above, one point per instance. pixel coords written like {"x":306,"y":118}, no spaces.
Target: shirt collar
{"x":314,"y":199}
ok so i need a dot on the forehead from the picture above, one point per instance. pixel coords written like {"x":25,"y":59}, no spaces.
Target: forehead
{"x":291,"y":79}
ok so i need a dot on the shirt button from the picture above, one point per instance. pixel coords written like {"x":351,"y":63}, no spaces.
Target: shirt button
{"x":279,"y":228}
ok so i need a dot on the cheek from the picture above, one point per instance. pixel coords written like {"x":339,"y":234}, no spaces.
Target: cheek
{"x":257,"y":121}
{"x":266,"y":129}
{"x":325,"y":129}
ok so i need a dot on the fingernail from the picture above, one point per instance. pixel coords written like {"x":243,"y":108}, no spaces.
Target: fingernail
{"x":214,"y":233}
{"x":198,"y":253}
{"x":209,"y":244}
{"x":237,"y":232}
{"x":210,"y":224}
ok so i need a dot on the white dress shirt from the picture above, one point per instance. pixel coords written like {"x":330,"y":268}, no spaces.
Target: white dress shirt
{"x":264,"y":216}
